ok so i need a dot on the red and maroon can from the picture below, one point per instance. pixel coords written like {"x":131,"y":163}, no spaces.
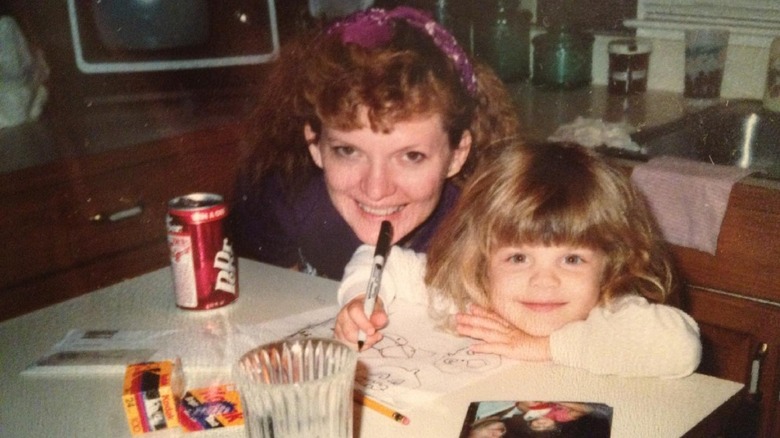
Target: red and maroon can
{"x":205,"y":272}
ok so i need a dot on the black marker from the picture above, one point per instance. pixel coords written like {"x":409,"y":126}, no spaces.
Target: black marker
{"x":380,"y":255}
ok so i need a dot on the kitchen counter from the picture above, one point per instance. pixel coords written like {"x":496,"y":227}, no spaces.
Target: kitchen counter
{"x":111,"y":126}
{"x":543,"y":111}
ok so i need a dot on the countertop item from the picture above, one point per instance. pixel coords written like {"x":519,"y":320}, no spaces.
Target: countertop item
{"x":562,"y":58}
{"x":688,"y":198}
{"x":772,"y":91}
{"x":91,"y":405}
{"x":629,"y":60}
{"x":542,"y":111}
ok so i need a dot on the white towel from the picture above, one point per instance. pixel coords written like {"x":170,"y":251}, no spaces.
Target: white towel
{"x":23,"y":72}
{"x":688,"y":198}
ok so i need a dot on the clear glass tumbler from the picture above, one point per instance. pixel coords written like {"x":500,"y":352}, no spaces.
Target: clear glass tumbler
{"x":705,"y":62}
{"x":297,"y":388}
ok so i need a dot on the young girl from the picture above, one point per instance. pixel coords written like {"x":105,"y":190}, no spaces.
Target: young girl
{"x":549,"y":255}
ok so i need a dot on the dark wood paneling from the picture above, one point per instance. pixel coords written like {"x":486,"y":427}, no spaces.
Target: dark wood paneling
{"x":53,"y":251}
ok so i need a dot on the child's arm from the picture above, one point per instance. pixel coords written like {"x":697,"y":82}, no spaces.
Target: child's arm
{"x":631,"y":338}
{"x":402,"y":278}
{"x":634,"y":338}
{"x":500,"y":337}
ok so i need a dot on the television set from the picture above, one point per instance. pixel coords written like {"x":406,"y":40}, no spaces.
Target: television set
{"x":124,"y":36}
{"x":134,"y":51}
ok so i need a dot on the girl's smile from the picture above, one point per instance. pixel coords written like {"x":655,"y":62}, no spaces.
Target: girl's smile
{"x":543,"y":307}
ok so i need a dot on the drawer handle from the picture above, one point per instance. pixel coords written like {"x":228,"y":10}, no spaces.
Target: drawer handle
{"x":118,"y":215}
{"x":755,"y":368}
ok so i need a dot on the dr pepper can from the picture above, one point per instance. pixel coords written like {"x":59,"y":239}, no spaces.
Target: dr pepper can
{"x":205,"y":270}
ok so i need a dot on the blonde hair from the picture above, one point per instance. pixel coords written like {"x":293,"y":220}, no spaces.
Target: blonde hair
{"x":321,"y":80}
{"x":548,"y":194}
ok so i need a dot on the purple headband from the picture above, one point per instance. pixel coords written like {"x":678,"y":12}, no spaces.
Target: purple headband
{"x":374,"y":27}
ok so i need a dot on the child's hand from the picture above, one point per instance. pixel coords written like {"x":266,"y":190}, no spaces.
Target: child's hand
{"x":351,"y":319}
{"x":500,"y":337}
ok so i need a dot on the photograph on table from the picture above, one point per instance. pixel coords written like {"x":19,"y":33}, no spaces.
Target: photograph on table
{"x":511,"y":419}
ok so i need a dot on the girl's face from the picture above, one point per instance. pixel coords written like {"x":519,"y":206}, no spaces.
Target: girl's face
{"x":539,"y":289}
{"x":396,"y":176}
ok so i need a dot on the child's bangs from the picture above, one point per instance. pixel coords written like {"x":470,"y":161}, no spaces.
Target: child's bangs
{"x":574,"y":225}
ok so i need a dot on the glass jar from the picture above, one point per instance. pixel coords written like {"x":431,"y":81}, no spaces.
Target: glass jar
{"x":629,"y":60}
{"x":502,"y":34}
{"x":563,"y":59}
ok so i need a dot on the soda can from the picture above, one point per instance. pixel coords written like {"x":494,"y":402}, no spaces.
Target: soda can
{"x":205,"y":270}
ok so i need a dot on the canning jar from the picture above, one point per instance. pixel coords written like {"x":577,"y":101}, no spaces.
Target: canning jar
{"x":562,"y":59}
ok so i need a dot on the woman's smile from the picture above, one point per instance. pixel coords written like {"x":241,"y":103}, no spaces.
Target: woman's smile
{"x":380,"y":211}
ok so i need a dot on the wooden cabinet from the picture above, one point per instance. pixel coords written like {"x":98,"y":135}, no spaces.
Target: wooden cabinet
{"x":741,"y":339}
{"x":78,"y":224}
{"x":735,"y":298}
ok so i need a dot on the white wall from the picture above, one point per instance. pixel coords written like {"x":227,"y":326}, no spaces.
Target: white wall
{"x":746,"y":64}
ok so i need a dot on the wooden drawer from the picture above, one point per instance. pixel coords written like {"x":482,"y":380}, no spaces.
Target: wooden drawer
{"x":58,"y":237}
{"x":741,"y":340}
{"x":31,"y":229}
{"x":60,"y":227}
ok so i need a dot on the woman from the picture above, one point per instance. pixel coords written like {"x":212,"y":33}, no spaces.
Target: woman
{"x":378,"y":117}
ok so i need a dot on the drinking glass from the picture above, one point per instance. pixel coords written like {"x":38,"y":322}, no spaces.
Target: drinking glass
{"x":297,"y":388}
{"x":705,"y":60}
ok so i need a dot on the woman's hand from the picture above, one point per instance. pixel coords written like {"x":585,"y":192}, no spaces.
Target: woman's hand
{"x":351,"y":319}
{"x":500,"y":337}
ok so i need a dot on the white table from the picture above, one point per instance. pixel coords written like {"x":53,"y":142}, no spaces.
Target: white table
{"x":90,"y":406}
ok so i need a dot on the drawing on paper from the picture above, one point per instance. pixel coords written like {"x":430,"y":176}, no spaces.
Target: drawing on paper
{"x":464,"y":360}
{"x":382,"y":378}
{"x":413,"y":363}
{"x":395,"y":346}
{"x":322,"y":329}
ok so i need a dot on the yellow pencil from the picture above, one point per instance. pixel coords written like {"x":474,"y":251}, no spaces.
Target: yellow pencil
{"x":382,"y":409}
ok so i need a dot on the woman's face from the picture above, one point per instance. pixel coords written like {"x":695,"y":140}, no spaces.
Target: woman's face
{"x":539,"y":289}
{"x":396,"y":176}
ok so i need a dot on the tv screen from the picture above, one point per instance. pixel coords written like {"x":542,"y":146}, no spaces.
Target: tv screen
{"x":121,"y":36}
{"x":151,"y":24}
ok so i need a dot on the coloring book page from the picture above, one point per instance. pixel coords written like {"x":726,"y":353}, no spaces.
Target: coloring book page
{"x":413,"y":364}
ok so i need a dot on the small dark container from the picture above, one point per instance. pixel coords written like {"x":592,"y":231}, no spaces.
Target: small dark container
{"x":629,"y":61}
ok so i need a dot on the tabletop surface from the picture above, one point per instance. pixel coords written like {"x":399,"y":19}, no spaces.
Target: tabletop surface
{"x":89,"y":405}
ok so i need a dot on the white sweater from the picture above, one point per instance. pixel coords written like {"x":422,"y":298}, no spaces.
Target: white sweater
{"x":630,"y":337}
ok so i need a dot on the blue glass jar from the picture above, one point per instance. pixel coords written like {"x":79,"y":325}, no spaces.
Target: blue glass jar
{"x":562,"y":59}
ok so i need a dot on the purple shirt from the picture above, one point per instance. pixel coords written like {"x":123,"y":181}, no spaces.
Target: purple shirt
{"x":307,"y":230}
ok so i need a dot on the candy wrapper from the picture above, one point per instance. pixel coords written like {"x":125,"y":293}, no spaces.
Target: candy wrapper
{"x":210,"y":408}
